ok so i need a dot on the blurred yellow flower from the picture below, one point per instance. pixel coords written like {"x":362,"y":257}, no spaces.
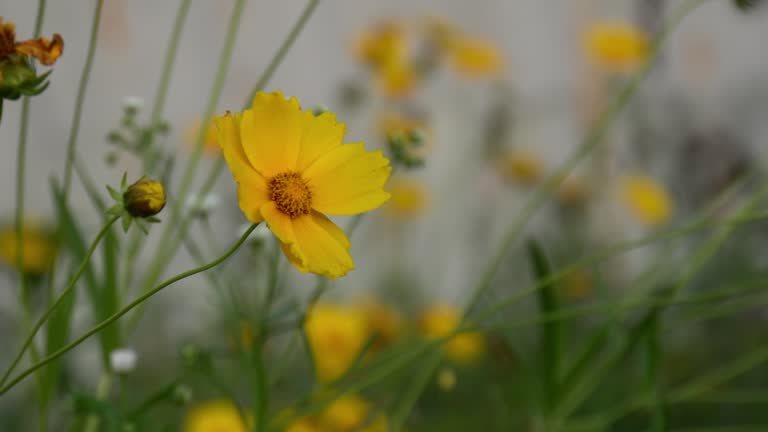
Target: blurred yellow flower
{"x":307,"y":424}
{"x":397,"y":79}
{"x":572,"y":192}
{"x":475,"y":58}
{"x":346,"y":413}
{"x":215,"y":416}
{"x":39,"y":248}
{"x":211,"y":145}
{"x":410,"y":198}
{"x":291,"y":167}
{"x":446,"y":379}
{"x":383,"y":321}
{"x":386,"y":42}
{"x":440,"y":320}
{"x":336,"y":334}
{"x":647,"y":199}
{"x":616,"y":46}
{"x":577,"y":284}
{"x":521,"y":167}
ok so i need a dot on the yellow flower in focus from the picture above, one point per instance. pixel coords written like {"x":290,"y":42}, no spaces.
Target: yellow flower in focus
{"x":385,"y":43}
{"x":521,"y":167}
{"x":647,"y":199}
{"x":616,"y":46}
{"x":211,"y":145}
{"x":336,"y":335}
{"x":215,"y":416}
{"x":475,"y":58}
{"x":410,"y":198}
{"x":291,"y":167}
{"x":144,"y":198}
{"x":39,"y":248}
{"x":441,"y":320}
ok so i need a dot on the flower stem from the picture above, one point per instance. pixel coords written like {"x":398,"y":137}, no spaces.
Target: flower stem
{"x":124,"y":310}
{"x":58,"y":301}
{"x":78,"y":111}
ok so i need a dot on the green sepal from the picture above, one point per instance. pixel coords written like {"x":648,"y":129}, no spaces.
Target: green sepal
{"x":124,"y":183}
{"x":117,"y":196}
{"x":127,"y":219}
{"x":153,"y":219}
{"x":116,"y":210}
{"x":142,"y":224}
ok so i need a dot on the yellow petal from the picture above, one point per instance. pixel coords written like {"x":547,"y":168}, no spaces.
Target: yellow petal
{"x":271,"y":133}
{"x":348,"y":180}
{"x":251,"y":186}
{"x":321,"y":134}
{"x":309,"y":243}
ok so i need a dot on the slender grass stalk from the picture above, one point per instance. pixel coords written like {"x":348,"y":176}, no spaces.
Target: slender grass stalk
{"x":593,"y":139}
{"x":141,"y":299}
{"x":78,"y":111}
{"x":58,"y":301}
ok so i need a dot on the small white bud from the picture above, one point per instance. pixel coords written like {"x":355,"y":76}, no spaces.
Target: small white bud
{"x":123,"y":360}
{"x":133,"y":102}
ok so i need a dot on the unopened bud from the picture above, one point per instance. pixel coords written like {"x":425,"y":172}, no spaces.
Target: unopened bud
{"x":144,"y":198}
{"x":123,"y":360}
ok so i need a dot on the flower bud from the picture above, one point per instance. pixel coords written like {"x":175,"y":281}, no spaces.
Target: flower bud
{"x":144,"y":198}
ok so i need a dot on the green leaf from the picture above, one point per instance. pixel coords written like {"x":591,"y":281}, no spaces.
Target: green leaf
{"x":550,"y":335}
{"x":109,"y":302}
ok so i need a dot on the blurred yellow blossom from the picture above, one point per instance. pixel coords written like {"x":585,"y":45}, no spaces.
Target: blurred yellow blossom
{"x":215,"y":416}
{"x":291,"y":167}
{"x":306,"y":424}
{"x":576,"y":284}
{"x":410,"y":198}
{"x":211,"y":145}
{"x":522,"y":167}
{"x":384,"y":43}
{"x":446,"y":379}
{"x":346,"y":413}
{"x":397,"y":79}
{"x":647,"y":199}
{"x":336,"y":334}
{"x":616,"y":46}
{"x":383,"y":321}
{"x":440,"y":320}
{"x":39,"y":248}
{"x":475,"y":58}
{"x":572,"y":192}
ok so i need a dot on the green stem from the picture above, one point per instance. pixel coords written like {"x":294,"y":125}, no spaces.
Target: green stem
{"x":58,"y":301}
{"x":78,"y":111}
{"x":170,"y":59}
{"x":593,"y":139}
{"x":124,"y":310}
{"x":102,"y":392}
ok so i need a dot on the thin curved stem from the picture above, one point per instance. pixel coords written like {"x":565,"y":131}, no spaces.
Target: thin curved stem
{"x":58,"y":301}
{"x":78,"y":111}
{"x":124,"y":310}
{"x":170,"y":59}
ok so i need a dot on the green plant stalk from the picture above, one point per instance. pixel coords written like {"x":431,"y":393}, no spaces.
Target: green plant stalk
{"x":593,"y":139}
{"x":169,"y":244}
{"x":156,"y":116}
{"x":78,"y":111}
{"x":58,"y":301}
{"x":165,"y":254}
{"x":124,"y":310}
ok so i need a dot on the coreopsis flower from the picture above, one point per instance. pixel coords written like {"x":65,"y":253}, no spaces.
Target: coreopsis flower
{"x":211,"y":145}
{"x":144,"y":198}
{"x":336,"y":334}
{"x":350,"y":413}
{"x":397,"y":79}
{"x":386,"y":42}
{"x":410,"y":198}
{"x":647,"y":199}
{"x":616,"y":46}
{"x":17,"y":73}
{"x":291,"y":169}
{"x":521,"y":167}
{"x":39,"y":248}
{"x":217,"y":415}
{"x":475,"y":58}
{"x":441,"y":320}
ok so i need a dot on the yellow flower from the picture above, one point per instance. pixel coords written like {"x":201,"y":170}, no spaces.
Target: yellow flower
{"x":475,"y":58}
{"x":616,"y":46}
{"x":383,"y":321}
{"x":522,"y":167}
{"x":336,"y":335}
{"x":144,"y":198}
{"x":647,"y":199}
{"x":215,"y":416}
{"x":307,"y":424}
{"x":291,"y":167}
{"x":446,"y":379}
{"x":385,"y":43}
{"x":463,"y":348}
{"x":397,"y":79}
{"x":572,"y":192}
{"x":44,"y":50}
{"x":410,"y":198}
{"x":346,"y":413}
{"x":211,"y":145}
{"x":39,"y":248}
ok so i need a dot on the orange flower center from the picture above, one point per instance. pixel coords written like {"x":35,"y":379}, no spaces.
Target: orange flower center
{"x":291,"y":194}
{"x":7,"y":39}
